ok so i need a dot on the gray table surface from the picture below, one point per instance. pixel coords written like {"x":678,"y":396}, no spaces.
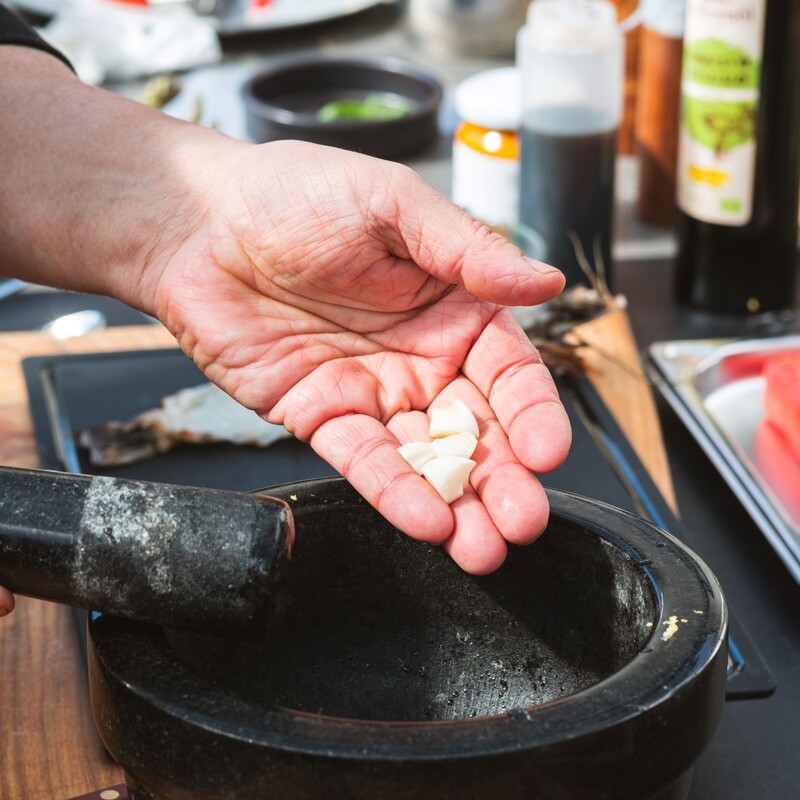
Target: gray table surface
{"x":753,"y":756}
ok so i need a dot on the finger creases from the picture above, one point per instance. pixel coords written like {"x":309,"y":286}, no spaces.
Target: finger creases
{"x":365,"y":453}
{"x":476,"y":544}
{"x":510,"y":491}
{"x":507,"y":370}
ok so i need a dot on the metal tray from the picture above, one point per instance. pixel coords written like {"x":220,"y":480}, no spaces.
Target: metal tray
{"x":715,"y":387}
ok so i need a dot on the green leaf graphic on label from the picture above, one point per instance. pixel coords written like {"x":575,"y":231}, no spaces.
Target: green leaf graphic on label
{"x":712,"y":62}
{"x":718,"y":125}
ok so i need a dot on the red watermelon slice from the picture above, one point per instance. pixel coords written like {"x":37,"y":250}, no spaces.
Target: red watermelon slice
{"x":782,"y":397}
{"x":779,"y":467}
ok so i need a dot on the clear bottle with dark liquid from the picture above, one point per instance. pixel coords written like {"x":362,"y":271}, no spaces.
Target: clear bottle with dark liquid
{"x":738,"y":156}
{"x":570,"y":56}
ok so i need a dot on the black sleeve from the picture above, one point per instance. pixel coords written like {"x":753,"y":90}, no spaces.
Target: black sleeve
{"x":14,"y":30}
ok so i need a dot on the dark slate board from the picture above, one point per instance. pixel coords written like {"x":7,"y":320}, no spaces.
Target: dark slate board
{"x":68,"y":393}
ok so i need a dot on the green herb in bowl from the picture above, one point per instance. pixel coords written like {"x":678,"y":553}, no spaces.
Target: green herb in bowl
{"x":372,"y":108}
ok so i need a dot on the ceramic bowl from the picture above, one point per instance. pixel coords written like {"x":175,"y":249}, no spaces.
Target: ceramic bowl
{"x":284,"y":102}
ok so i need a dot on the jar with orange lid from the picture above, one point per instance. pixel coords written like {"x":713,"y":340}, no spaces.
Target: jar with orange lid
{"x":486,"y":146}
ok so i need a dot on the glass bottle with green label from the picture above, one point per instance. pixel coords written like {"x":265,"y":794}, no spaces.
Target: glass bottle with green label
{"x":738,"y":156}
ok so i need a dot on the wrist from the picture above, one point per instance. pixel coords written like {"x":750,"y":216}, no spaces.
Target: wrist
{"x":168,"y":208}
{"x":96,"y":189}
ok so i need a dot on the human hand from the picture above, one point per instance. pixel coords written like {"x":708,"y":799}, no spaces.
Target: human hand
{"x":342,"y":297}
{"x":333,"y":293}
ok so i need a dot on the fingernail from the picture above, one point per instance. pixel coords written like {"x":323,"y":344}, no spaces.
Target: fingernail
{"x":540,"y":266}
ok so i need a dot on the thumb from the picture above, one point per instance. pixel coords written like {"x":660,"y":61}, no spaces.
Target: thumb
{"x":452,"y":246}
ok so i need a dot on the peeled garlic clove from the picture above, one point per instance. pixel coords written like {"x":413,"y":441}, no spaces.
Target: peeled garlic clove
{"x":449,"y":475}
{"x":417,"y":454}
{"x":459,"y":444}
{"x":456,"y":418}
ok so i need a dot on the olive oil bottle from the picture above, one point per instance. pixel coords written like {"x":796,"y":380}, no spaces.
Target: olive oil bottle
{"x":738,"y":156}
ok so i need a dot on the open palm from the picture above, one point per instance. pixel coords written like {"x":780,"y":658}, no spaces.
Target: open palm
{"x":342,"y":297}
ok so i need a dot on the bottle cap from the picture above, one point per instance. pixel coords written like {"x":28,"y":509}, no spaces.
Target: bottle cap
{"x":491,"y":99}
{"x":573,"y":25}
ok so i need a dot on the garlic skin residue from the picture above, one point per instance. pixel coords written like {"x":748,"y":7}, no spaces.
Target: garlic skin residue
{"x":445,"y":462}
{"x":671,"y":628}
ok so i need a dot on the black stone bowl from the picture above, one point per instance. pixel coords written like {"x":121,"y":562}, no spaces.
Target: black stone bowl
{"x":282,"y":103}
{"x":392,"y":674}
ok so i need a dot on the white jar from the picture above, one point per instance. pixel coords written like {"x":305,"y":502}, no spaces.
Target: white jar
{"x":486,"y":146}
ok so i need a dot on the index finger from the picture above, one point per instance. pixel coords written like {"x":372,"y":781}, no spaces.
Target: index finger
{"x":509,"y":372}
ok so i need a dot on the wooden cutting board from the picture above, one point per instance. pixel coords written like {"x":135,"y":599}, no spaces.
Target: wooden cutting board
{"x":49,"y":749}
{"x":611,"y":358}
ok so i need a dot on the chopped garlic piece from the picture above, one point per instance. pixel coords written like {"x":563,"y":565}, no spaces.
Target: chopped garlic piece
{"x":648,"y":624}
{"x":456,"y":418}
{"x":697,"y":611}
{"x":449,"y":475}
{"x":445,"y":462}
{"x":417,"y":454}
{"x":459,"y":444}
{"x":672,"y":628}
